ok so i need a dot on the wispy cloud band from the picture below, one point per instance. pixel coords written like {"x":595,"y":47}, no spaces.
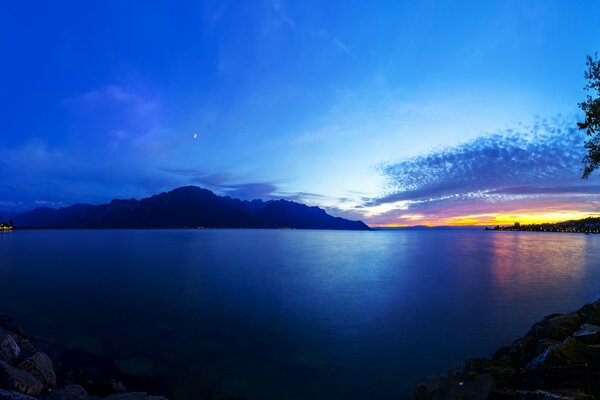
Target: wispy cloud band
{"x":512,"y":170}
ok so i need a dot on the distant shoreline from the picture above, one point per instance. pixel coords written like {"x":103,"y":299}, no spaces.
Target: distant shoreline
{"x":511,"y":229}
{"x":589,"y":225}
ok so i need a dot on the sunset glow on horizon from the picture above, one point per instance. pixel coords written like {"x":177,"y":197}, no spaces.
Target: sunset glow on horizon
{"x":497,"y":219}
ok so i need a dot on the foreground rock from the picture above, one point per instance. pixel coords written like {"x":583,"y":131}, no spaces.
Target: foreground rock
{"x":135,"y":396}
{"x":26,"y":373}
{"x":558,"y":359}
{"x":12,"y":378}
{"x":8,"y":395}
{"x":71,"y":392}
{"x":40,"y":366}
{"x":9,"y":349}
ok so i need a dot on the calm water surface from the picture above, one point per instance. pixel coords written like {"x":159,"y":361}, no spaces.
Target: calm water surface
{"x":272,"y":314}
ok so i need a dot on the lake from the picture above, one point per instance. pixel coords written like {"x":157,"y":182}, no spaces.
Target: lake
{"x":290,"y":314}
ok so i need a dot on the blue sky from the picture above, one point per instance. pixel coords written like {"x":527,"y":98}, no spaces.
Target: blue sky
{"x":328,"y":103}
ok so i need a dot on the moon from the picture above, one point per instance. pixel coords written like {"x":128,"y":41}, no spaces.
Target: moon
{"x":195,"y":135}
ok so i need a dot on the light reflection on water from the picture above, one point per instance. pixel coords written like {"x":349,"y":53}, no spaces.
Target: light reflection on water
{"x":291,"y":314}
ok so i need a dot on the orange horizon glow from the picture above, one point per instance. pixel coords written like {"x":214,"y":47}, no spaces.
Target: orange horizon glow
{"x":493,"y":219}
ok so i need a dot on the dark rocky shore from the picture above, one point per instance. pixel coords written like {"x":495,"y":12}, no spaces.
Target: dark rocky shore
{"x":559,"y":358}
{"x":27,"y":373}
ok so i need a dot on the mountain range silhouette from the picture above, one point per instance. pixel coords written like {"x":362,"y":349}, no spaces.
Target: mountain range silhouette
{"x":186,"y":207}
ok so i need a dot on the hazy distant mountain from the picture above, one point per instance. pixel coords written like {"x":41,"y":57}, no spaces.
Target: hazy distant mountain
{"x":188,"y":206}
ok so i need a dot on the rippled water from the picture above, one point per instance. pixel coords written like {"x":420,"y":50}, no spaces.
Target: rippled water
{"x":275,"y":314}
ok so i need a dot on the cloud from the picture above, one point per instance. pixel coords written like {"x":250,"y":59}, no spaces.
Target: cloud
{"x":111,"y":95}
{"x":35,"y":153}
{"x":223,"y":183}
{"x":324,"y":34}
{"x":280,"y":9}
{"x":250,"y":191}
{"x":351,"y":214}
{"x":199,"y":175}
{"x":118,"y":118}
{"x":518,"y":169}
{"x":527,"y":190}
{"x":280,"y":18}
{"x":547,"y":156}
{"x":112,"y":140}
{"x":342,"y":46}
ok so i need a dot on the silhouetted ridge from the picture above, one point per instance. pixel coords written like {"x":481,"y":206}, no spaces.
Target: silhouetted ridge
{"x":187,"y":206}
{"x":283,"y":213}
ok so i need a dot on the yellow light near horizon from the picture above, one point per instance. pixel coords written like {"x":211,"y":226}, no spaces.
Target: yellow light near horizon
{"x":493,"y":219}
{"x":523,"y":218}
